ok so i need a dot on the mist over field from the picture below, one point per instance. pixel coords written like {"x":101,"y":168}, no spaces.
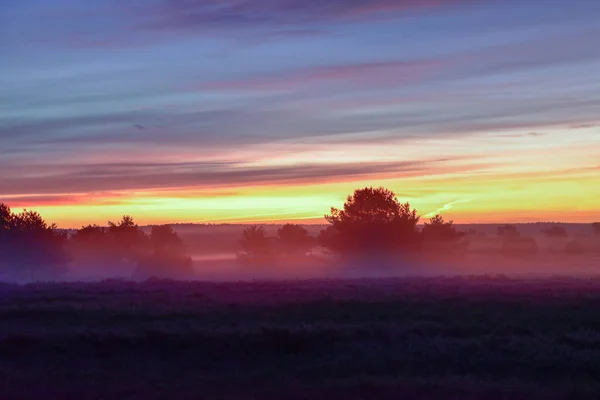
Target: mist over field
{"x":214,"y":250}
{"x":373,"y":235}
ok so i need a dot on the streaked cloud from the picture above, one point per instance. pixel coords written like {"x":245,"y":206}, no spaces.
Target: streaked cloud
{"x":184,"y":104}
{"x":228,"y":14}
{"x":77,"y":178}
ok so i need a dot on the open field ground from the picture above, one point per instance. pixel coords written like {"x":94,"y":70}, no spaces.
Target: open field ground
{"x":441,"y":338}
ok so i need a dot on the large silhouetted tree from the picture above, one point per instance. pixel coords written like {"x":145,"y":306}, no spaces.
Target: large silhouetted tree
{"x":294,"y":239}
{"x":5,"y":218}
{"x":6,"y":231}
{"x":372,"y":222}
{"x":94,"y":244}
{"x":110,"y":246}
{"x":165,"y":240}
{"x":29,"y":247}
{"x":90,"y":233}
{"x":129,"y":240}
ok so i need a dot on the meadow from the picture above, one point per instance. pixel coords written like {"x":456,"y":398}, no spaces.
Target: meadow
{"x":466,"y":337}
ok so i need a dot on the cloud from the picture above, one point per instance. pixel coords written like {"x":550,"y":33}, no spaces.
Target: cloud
{"x":585,"y":126}
{"x":39,"y":200}
{"x":257,"y":124}
{"x":493,"y":60}
{"x":78,"y":178}
{"x":51,"y":199}
{"x":365,"y":74}
{"x":203,"y":15}
{"x":521,"y":135}
{"x":43,"y":127}
{"x":134,"y":23}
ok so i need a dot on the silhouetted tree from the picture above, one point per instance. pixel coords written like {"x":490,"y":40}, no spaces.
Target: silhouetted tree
{"x":441,"y":237}
{"x":129,"y":240}
{"x":372,"y":222}
{"x":165,"y":240}
{"x":555,"y":231}
{"x":438,"y":229}
{"x":255,"y":242}
{"x":294,"y":239}
{"x":6,"y":217}
{"x":90,"y":233}
{"x":167,"y":258}
{"x":96,"y":245}
{"x":93,"y":237}
{"x":29,"y":246}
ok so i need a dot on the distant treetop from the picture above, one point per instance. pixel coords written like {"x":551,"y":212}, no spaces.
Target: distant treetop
{"x":438,"y":229}
{"x":555,"y":231}
{"x":508,"y":231}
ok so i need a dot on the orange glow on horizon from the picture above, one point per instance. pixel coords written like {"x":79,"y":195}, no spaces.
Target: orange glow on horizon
{"x":465,"y":199}
{"x":553,"y":179}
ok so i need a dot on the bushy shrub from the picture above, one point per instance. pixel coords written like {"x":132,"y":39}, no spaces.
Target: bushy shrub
{"x":294,"y":240}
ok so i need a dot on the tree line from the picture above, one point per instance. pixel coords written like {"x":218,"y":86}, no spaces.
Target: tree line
{"x":374,"y":225}
{"x":371,"y":224}
{"x":31,"y":249}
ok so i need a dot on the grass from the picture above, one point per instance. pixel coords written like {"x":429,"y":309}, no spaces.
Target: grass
{"x":464,"y":337}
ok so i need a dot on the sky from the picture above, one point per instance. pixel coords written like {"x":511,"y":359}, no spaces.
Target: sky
{"x":276,"y":110}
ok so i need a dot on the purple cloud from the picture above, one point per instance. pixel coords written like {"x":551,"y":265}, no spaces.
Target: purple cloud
{"x":585,"y":126}
{"x":532,"y":54}
{"x":386,"y":72}
{"x":208,"y":15}
{"x":79,"y":178}
{"x":521,"y":135}
{"x":27,"y":130}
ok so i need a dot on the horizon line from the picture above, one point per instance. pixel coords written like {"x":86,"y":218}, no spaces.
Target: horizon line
{"x":327,"y":224}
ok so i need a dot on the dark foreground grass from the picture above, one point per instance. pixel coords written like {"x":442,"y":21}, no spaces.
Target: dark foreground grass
{"x":442,"y":338}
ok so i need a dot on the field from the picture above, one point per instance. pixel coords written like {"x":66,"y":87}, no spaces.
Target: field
{"x":411,"y":338}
